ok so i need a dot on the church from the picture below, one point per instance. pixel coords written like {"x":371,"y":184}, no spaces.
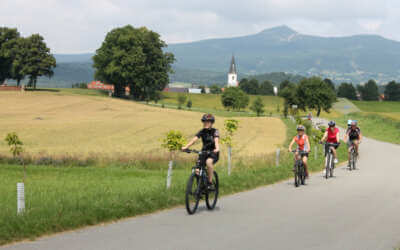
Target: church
{"x":232,"y":74}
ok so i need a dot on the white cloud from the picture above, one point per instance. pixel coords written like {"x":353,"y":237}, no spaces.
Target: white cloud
{"x":80,"y":25}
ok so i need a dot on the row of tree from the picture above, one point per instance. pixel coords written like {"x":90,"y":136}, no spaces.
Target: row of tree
{"x":369,"y":91}
{"x":22,"y":57}
{"x":253,"y":87}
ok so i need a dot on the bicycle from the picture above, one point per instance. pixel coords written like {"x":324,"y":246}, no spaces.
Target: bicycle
{"x":353,"y":157}
{"x":299,"y":170}
{"x":197,"y":185}
{"x":329,"y":159}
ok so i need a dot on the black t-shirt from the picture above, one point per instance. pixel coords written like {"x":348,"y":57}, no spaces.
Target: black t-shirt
{"x":353,"y":134}
{"x":208,"y":136}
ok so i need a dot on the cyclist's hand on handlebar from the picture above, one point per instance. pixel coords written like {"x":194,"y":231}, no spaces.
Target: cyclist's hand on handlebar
{"x":184,"y":149}
{"x":216,"y":150}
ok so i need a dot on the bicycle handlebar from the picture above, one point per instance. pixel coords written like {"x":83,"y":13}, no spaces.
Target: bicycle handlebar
{"x":301,"y":151}
{"x":195,"y":151}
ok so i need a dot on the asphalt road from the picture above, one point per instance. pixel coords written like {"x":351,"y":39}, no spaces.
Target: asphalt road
{"x":354,"y":210}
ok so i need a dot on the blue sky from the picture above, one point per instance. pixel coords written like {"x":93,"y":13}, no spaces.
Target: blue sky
{"x":78,"y":26}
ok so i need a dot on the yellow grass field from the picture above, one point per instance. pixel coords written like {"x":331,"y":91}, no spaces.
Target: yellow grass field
{"x":59,"y":124}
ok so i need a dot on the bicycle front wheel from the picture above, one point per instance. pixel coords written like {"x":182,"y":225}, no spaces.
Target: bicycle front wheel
{"x":328,"y":163}
{"x":212,"y":195}
{"x":193,"y":193}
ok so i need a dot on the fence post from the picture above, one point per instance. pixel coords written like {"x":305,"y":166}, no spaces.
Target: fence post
{"x":229,"y":159}
{"x":278,"y":153}
{"x":315,"y":151}
{"x":20,"y":197}
{"x":169,"y":175}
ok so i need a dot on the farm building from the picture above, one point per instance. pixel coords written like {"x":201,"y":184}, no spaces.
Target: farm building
{"x":103,"y":86}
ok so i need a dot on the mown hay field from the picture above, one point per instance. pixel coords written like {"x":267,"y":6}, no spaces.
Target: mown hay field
{"x":58,"y":124}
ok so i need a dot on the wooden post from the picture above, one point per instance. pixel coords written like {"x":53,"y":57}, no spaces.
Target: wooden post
{"x":278,"y":153}
{"x":169,"y":175}
{"x":229,"y":159}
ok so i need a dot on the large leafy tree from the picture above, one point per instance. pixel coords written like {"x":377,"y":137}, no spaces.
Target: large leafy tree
{"x":266,"y":88}
{"x":133,"y":57}
{"x":283,"y":85}
{"x":369,"y":92}
{"x":258,"y":106}
{"x":7,"y":36}
{"x":347,"y":90}
{"x":330,"y":83}
{"x":289,"y":93}
{"x":250,"y":86}
{"x":314,"y":93}
{"x":234,"y":98}
{"x":392,"y":91}
{"x":39,"y":61}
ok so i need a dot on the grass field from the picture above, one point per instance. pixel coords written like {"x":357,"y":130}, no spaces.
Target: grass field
{"x":69,"y":122}
{"x":62,"y":198}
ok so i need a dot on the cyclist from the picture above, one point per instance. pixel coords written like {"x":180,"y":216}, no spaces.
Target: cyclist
{"x":210,"y":139}
{"x":303,"y":144}
{"x":353,"y":136}
{"x":349,"y":123}
{"x":331,"y":135}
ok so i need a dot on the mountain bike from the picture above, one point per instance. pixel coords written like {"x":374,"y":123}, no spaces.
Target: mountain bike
{"x":353,"y":157}
{"x":299,"y":170}
{"x":197,"y":185}
{"x":329,"y":159}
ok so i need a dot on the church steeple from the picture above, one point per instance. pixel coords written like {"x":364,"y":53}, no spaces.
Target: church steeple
{"x":232,"y":68}
{"x":232,"y":74}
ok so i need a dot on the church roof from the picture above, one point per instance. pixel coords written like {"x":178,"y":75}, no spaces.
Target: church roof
{"x":232,"y":68}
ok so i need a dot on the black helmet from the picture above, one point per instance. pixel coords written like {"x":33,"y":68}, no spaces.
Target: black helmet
{"x":332,"y":124}
{"x":208,"y":117}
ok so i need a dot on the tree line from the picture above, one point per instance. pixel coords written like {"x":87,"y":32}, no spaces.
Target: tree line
{"x":253,"y":87}
{"x":369,"y":91}
{"x":22,"y":57}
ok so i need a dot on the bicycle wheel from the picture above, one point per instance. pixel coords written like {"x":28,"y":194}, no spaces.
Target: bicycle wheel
{"x":331,"y":168}
{"x":296,"y":175}
{"x":328,"y":162}
{"x":212,"y":195}
{"x":303,"y":175}
{"x":193,"y":193}
{"x":354,"y":159}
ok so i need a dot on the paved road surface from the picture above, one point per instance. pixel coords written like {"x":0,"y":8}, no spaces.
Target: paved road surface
{"x":355,"y":210}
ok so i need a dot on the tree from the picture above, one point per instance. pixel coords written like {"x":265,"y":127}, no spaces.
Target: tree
{"x":230,"y":126}
{"x":181,"y":98}
{"x":189,"y":104}
{"x":234,"y":98}
{"x":283,"y":85}
{"x":7,"y":35}
{"x":215,"y":89}
{"x":369,"y":92}
{"x":250,"y":87}
{"x":330,"y":83}
{"x":266,"y":88}
{"x":203,"y":89}
{"x":258,"y":106}
{"x":289,"y":93}
{"x":134,"y":57}
{"x":39,"y":60}
{"x":392,"y":91}
{"x":314,"y":93}
{"x":347,"y":90}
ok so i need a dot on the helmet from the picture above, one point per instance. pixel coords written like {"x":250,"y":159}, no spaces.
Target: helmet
{"x":300,"y":128}
{"x":208,"y":117}
{"x":349,"y":122}
{"x":332,"y":124}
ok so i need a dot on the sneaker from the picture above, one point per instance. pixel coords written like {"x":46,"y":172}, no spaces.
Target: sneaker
{"x":336,"y":161}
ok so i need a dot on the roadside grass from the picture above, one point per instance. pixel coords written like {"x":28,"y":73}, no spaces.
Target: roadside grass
{"x":375,"y":126}
{"x":372,"y":106}
{"x":64,"y":198}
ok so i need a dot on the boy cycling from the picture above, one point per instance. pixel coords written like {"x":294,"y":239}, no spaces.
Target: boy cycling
{"x":303,"y":144}
{"x":210,"y":138}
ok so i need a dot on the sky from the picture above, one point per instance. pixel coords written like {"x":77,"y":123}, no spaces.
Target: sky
{"x":79,"y":26}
